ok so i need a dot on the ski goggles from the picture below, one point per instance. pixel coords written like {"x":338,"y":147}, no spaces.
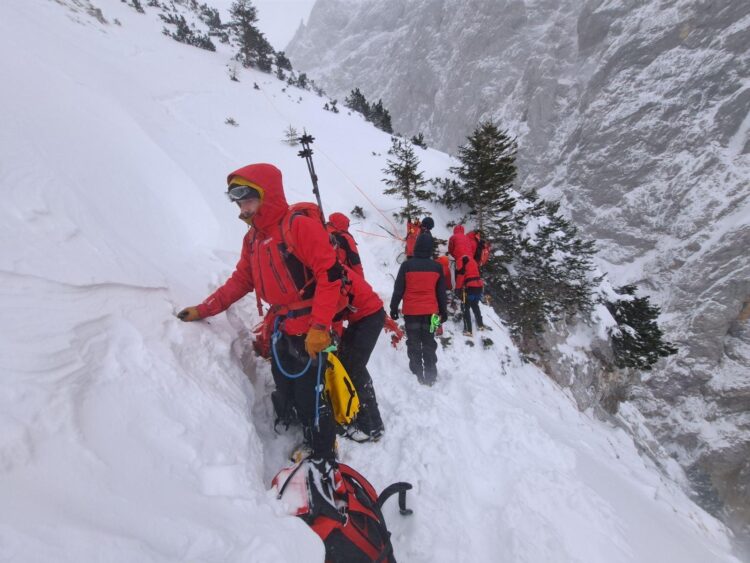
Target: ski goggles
{"x":239,"y":192}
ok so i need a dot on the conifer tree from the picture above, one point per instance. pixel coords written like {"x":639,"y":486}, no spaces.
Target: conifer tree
{"x":418,"y":140}
{"x":302,"y":81}
{"x":638,"y":341}
{"x":282,"y":61}
{"x":487,"y":172}
{"x":542,"y":268}
{"x":254,"y":49}
{"x":404,"y":179}
{"x":380,"y":117}
{"x":356,"y":101}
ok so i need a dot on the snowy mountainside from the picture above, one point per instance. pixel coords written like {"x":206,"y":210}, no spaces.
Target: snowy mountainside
{"x":129,"y":436}
{"x":635,"y":116}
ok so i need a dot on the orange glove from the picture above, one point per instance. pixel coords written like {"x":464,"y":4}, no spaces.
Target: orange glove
{"x":189,"y":314}
{"x":318,"y":339}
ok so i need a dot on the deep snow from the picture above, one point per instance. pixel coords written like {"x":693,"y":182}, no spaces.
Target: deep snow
{"x":129,"y":436}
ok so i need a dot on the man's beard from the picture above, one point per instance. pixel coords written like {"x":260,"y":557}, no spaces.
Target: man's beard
{"x":247,"y":217}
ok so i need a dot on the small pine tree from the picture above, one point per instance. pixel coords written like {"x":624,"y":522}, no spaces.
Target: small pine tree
{"x":637,"y":342}
{"x":356,"y":101}
{"x":487,"y":172}
{"x":254,"y":49}
{"x":302,"y":81}
{"x":282,"y":61}
{"x":211,"y":17}
{"x":380,"y":117}
{"x":358,"y":212}
{"x":291,"y":137}
{"x":185,"y":34}
{"x":418,"y":140}
{"x":404,"y":179}
{"x":334,"y":107}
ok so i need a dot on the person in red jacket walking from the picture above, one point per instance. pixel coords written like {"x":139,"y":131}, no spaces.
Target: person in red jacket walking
{"x":303,"y":282}
{"x":421,"y":285}
{"x":445,"y":263}
{"x":413,"y":228}
{"x":459,"y":244}
{"x":470,"y":284}
{"x":480,"y":248}
{"x":338,"y":226}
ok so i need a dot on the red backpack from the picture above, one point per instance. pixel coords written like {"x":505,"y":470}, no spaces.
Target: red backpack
{"x":351,"y":523}
{"x":294,"y":273}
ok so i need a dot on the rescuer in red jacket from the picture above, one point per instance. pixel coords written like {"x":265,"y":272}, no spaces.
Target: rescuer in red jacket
{"x":470,"y":286}
{"x":304,"y":287}
{"x":413,"y":228}
{"x":421,"y":285}
{"x":338,"y":226}
{"x":459,"y":244}
{"x":480,"y":248}
{"x":445,"y":263}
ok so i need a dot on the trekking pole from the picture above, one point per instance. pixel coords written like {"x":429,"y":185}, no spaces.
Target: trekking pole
{"x":306,"y":140}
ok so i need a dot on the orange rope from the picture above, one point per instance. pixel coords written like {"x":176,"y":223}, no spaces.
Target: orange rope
{"x":374,"y":234}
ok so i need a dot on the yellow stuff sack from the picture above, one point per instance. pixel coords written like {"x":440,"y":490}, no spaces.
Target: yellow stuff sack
{"x":341,"y":392}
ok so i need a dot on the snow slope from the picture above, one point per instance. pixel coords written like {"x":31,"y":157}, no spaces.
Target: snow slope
{"x":126,"y":435}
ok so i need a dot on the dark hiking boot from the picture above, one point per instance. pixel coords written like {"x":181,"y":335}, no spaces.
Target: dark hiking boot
{"x":286,"y":414}
{"x":360,"y":435}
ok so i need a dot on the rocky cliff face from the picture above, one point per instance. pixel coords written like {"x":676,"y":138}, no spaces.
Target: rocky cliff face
{"x":637,"y":116}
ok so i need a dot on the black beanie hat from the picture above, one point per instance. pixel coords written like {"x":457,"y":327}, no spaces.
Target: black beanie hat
{"x":423,"y":246}
{"x":428,"y":223}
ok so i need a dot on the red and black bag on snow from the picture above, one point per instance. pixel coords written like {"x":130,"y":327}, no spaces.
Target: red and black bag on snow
{"x":347,"y":516}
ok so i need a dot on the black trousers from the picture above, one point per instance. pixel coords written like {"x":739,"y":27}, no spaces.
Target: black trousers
{"x":357,"y":344}
{"x":471,"y":298}
{"x":300,"y":394}
{"x":421,"y":347}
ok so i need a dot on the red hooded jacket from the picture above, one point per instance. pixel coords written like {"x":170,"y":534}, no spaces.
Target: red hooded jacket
{"x":338,"y":226}
{"x":275,"y":277}
{"x":459,"y":244}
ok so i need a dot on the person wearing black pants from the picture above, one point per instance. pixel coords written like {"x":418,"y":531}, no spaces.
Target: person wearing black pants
{"x":470,"y":286}
{"x":296,"y":398}
{"x":421,"y":348}
{"x":472,"y":296}
{"x":421,"y":285}
{"x":357,"y":344}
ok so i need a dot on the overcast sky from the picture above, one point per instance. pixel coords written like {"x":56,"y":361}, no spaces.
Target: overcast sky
{"x":277,"y":19}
